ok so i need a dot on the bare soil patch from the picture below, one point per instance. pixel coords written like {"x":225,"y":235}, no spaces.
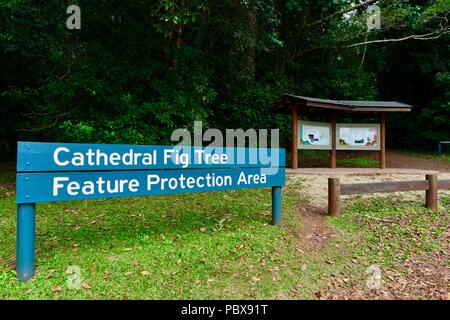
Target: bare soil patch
{"x":314,"y":233}
{"x":396,"y":159}
{"x":6,"y":190}
{"x":423,"y":277}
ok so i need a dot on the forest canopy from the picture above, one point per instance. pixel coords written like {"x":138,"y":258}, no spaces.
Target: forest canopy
{"x":137,"y":70}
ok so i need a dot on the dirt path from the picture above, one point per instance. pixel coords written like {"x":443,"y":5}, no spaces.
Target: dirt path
{"x":314,"y":233}
{"x":396,"y":159}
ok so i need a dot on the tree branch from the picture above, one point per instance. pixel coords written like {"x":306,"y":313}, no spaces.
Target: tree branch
{"x":428,"y":36}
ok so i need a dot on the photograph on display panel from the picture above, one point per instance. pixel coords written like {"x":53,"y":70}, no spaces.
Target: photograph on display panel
{"x":314,"y":135}
{"x":358,"y":136}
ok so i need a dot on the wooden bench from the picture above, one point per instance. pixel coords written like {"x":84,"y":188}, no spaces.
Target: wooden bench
{"x":430,"y":185}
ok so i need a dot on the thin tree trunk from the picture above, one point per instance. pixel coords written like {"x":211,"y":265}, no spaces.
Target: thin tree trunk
{"x":250,"y":54}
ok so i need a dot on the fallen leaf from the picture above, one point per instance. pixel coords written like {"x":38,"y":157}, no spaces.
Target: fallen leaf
{"x":86,"y":285}
{"x":295,"y":290}
{"x":276,"y":278}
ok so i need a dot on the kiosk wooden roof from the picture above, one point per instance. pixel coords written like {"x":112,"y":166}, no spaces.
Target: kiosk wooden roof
{"x":314,"y":105}
{"x":293,"y":105}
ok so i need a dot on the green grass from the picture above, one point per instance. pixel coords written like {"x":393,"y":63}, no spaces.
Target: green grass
{"x":193,"y":246}
{"x":392,"y":231}
{"x":321,"y":158}
{"x":311,"y":158}
{"x":317,"y":155}
{"x":357,"y":162}
{"x":216,"y":245}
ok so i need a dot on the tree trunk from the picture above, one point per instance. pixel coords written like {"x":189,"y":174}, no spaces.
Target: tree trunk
{"x":250,"y":52}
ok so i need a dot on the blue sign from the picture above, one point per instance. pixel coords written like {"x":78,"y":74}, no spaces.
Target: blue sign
{"x":63,"y":186}
{"x":48,"y":157}
{"x":51,"y":172}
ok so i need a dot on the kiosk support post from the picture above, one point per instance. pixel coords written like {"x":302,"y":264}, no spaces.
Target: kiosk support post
{"x":383,"y":140}
{"x":333,"y":142}
{"x":294,"y":137}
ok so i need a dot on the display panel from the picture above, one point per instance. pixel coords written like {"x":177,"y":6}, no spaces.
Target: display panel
{"x":358,"y":136}
{"x":314,"y":135}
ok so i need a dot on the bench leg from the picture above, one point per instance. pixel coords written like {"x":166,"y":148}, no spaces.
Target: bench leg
{"x":276,"y":206}
{"x":334,"y":195}
{"x":431,"y":193}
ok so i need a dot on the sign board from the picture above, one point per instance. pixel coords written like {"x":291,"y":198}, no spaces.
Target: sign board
{"x":52,"y":172}
{"x":49,"y":172}
{"x":358,"y":136}
{"x":314,"y":135}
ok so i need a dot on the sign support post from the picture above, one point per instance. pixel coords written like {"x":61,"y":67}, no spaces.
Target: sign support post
{"x":25,"y":240}
{"x":276,"y":206}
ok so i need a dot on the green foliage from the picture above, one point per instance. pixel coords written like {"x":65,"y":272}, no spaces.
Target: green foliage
{"x":357,"y":162}
{"x":138,"y":70}
{"x":437,"y":114}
